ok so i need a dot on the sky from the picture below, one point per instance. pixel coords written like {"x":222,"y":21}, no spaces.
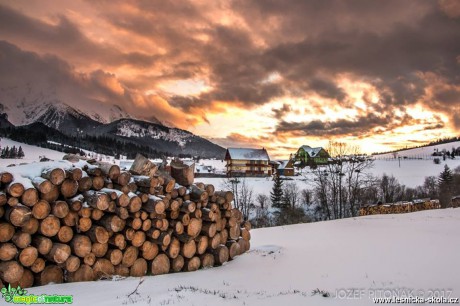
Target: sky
{"x":380,"y":75}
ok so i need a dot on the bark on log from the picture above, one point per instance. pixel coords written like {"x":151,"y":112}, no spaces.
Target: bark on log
{"x":143,"y":166}
{"x":184,"y":174}
{"x":96,"y":199}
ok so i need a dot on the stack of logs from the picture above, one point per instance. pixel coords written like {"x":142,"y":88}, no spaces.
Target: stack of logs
{"x":96,"y":221}
{"x":398,"y":208}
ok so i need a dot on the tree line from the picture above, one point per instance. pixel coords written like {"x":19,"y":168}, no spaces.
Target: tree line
{"x":15,"y":153}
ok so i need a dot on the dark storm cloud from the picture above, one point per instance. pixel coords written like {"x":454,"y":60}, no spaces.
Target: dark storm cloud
{"x":236,"y":46}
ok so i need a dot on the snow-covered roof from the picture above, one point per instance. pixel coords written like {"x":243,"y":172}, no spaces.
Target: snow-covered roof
{"x":283,"y":164}
{"x":312,"y":152}
{"x":248,"y":154}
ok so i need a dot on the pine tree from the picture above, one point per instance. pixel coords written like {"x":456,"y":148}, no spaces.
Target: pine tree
{"x":445,"y":187}
{"x":276,"y":195}
{"x":20,"y":152}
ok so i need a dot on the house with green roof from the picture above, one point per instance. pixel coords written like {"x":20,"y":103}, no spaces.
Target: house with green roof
{"x":307,"y":155}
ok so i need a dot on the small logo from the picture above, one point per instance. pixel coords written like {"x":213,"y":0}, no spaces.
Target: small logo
{"x":19,"y":296}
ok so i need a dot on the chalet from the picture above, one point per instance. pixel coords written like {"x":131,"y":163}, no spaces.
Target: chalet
{"x":286,"y":167}
{"x":247,"y":162}
{"x":307,"y":155}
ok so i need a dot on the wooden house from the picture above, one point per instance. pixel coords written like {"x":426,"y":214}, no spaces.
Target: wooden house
{"x":286,"y":167}
{"x":247,"y":162}
{"x":307,"y":155}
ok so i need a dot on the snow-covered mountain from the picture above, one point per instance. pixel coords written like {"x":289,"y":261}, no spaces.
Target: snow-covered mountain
{"x":26,"y":104}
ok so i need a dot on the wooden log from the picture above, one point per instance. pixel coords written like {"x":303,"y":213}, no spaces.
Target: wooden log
{"x":85,"y":183}
{"x":201,"y":244}
{"x":84,"y":224}
{"x":96,"y":199}
{"x":59,"y":209}
{"x":42,"y":243}
{"x":209,"y":229}
{"x":183,"y":173}
{"x":28,"y":256}
{"x":233,"y":249}
{"x":18,"y":215}
{"x":174,"y":248}
{"x":51,"y":274}
{"x":109,"y":170}
{"x":177,"y":226}
{"x":135,"y":203}
{"x":223,"y":236}
{"x":121,"y":270}
{"x":31,"y":226}
{"x":245,"y":234}
{"x":129,"y":256}
{"x":247,"y":225}
{"x":138,"y":239}
{"x":54,"y":175}
{"x":210,"y":189}
{"x":149,"y":250}
{"x":103,"y":268}
{"x":98,"y":234}
{"x":12,"y":201}
{"x":154,"y":204}
{"x":71,"y":264}
{"x":207,"y":260}
{"x":83,"y":274}
{"x":71,"y":219}
{"x":134,"y":223}
{"x":208,"y":215}
{"x":234,"y":232}
{"x":3,"y":198}
{"x":139,"y":268}
{"x":226,"y":195}
{"x":188,"y":207}
{"x":49,"y":226}
{"x":123,"y":178}
{"x":93,"y":170}
{"x":98,"y":182}
{"x":143,"y":166}
{"x":30,"y":197}
{"x":41,"y":210}
{"x":6,"y":231}
{"x":198,"y":194}
{"x":96,"y":214}
{"x":38,"y":265}
{"x":74,"y":174}
{"x":192,"y":264}
{"x":244,"y":245}
{"x":220,"y":254}
{"x":118,"y":240}
{"x":80,"y":245}
{"x":8,"y":251}
{"x":89,"y":259}
{"x":6,"y":177}
{"x":59,"y":253}
{"x":177,"y":263}
{"x":194,"y":227}
{"x":160,"y":265}
{"x":15,"y":189}
{"x":69,"y":188}
{"x":21,"y":239}
{"x":51,"y":196}
{"x":146,"y":225}
{"x":112,"y":223}
{"x":26,"y":281}
{"x":163,"y":239}
{"x":10,"y":271}
{"x":115,"y":256}
{"x":214,"y":242}
{"x":188,"y":249}
{"x":2,"y":211}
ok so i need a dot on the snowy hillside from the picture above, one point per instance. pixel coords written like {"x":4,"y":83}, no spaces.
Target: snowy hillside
{"x":32,"y":153}
{"x":424,"y":152}
{"x":380,"y":255}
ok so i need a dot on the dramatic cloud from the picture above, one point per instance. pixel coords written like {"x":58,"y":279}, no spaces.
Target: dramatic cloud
{"x":313,"y":68}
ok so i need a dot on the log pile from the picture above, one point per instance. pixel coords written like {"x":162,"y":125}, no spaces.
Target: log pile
{"x":95,"y":221}
{"x":398,"y":208}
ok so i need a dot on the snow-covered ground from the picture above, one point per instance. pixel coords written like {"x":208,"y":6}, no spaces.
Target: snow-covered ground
{"x":384,"y":255}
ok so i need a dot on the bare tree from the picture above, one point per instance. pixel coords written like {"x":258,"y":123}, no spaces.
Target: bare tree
{"x":291,"y":195}
{"x":243,"y":193}
{"x":341,"y":183}
{"x":263,"y":200}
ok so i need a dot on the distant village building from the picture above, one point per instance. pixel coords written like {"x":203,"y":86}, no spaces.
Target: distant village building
{"x":286,"y":167}
{"x":247,"y":162}
{"x":307,"y":155}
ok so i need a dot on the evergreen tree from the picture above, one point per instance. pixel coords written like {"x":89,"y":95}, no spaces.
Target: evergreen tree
{"x":20,"y":152}
{"x":276,"y":195}
{"x":14,"y":152}
{"x":445,"y":182}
